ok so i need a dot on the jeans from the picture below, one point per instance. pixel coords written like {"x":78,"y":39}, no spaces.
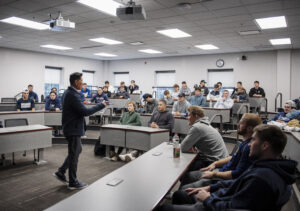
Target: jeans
{"x":71,"y":161}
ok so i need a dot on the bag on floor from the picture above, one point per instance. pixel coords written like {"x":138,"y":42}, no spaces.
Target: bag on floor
{"x":99,"y":148}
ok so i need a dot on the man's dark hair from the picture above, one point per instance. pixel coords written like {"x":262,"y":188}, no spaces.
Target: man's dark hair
{"x":273,"y":135}
{"x":74,"y":77}
{"x":220,"y":83}
{"x":163,"y":101}
{"x":239,"y":82}
{"x":53,"y":93}
{"x":30,"y":85}
{"x":106,"y":82}
{"x":53,"y":88}
{"x":256,"y":82}
{"x":183,"y":82}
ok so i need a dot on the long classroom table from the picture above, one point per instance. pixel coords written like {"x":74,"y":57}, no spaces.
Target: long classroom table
{"x":146,"y":181}
{"x":12,"y":106}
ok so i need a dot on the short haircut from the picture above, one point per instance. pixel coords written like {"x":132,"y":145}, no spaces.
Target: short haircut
{"x":30,"y":85}
{"x":251,"y":119}
{"x":53,"y":88}
{"x":100,"y":87}
{"x":183,"y":82}
{"x":196,"y":111}
{"x":239,"y":82}
{"x":74,"y":77}
{"x":53,"y":93}
{"x":220,"y":83}
{"x":84,"y":84}
{"x":163,"y":101}
{"x":106,"y":82}
{"x":272,"y":134}
{"x":176,"y":85}
{"x":225,"y":91}
{"x":133,"y":103}
{"x":256,"y":82}
{"x":122,"y":82}
{"x":105,"y":87}
{"x":197,"y":89}
{"x":166,"y":92}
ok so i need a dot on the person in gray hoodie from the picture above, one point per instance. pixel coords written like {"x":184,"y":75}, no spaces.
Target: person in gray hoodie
{"x":203,"y":139}
{"x":180,"y":107}
{"x":185,"y":89}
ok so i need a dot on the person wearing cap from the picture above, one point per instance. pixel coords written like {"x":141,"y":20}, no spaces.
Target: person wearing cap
{"x":240,"y":95}
{"x":257,"y":91}
{"x":24,"y":103}
{"x":185,"y":89}
{"x":176,"y":92}
{"x":168,"y":98}
{"x":180,"y":107}
{"x":198,"y":99}
{"x":32,"y":94}
{"x":214,"y":94}
{"x":151,"y":104}
{"x":109,"y":87}
{"x":133,"y":88}
{"x":289,"y":113}
{"x":85,"y":91}
{"x":203,"y":88}
{"x":122,"y":93}
{"x":225,"y":101}
{"x":122,"y":84}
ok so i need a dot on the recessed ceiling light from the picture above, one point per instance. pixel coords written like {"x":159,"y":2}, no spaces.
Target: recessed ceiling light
{"x":107,"y":6}
{"x":25,"y":23}
{"x":271,"y":22}
{"x":105,"y":54}
{"x":151,"y":51}
{"x":137,"y":43}
{"x":57,"y":47}
{"x":174,"y":33}
{"x":106,"y":41}
{"x":281,"y":41}
{"x":207,"y":47}
{"x":249,"y":32}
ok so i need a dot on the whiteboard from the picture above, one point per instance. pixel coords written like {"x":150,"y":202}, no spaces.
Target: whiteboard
{"x":226,"y":77}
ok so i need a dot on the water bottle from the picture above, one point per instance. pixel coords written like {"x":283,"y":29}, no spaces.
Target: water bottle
{"x":176,"y":147}
{"x":210,"y":104}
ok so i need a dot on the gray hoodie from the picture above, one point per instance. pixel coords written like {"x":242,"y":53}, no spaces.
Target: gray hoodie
{"x":206,"y":139}
{"x":181,"y":108}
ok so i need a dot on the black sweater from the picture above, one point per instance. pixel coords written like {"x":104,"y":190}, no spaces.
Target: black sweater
{"x":164,"y":120}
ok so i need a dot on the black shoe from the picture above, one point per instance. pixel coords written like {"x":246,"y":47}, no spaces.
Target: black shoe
{"x":61,"y":177}
{"x":112,"y":154}
{"x":77,"y":185}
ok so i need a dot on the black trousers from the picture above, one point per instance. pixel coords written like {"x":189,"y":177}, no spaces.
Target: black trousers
{"x":71,"y":161}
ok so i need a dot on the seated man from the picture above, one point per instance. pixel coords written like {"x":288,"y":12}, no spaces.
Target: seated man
{"x":128,"y":118}
{"x":168,"y":98}
{"x":109,"y":87}
{"x":203,"y":88}
{"x":122,"y":84}
{"x":198,"y":99}
{"x":176,"y":92}
{"x":240,"y":95}
{"x":53,"y":89}
{"x":221,"y":89}
{"x":151,"y":104}
{"x":105,"y":91}
{"x":53,"y":103}
{"x":185,"y":89}
{"x":24,"y":103}
{"x":214,"y":94}
{"x":266,"y":185}
{"x":193,"y":92}
{"x":289,"y":113}
{"x":206,"y":139}
{"x":230,"y":167}
{"x":133,"y":88}
{"x":180,"y":107}
{"x":225,"y":101}
{"x":122,"y":93}
{"x":257,"y":91}
{"x":162,"y":118}
{"x":32,"y":94}
{"x":239,"y":84}
{"x":100,"y":96}
{"x":85,"y":91}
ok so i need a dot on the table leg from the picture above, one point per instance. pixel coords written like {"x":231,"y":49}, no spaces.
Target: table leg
{"x":40,"y":157}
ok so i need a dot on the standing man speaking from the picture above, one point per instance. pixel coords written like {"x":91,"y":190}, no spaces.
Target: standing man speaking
{"x":73,"y":113}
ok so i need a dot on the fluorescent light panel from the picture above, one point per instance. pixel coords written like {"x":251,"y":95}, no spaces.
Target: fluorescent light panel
{"x":25,"y":23}
{"x":106,"y":41}
{"x":207,"y":47}
{"x":150,"y":51}
{"x":107,"y":6}
{"x":105,"y":54}
{"x":174,"y":33}
{"x":281,"y":41}
{"x":57,"y":47}
{"x":271,"y":22}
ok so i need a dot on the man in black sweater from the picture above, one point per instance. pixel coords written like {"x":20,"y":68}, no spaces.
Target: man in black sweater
{"x":73,"y":115}
{"x":266,"y":185}
{"x":257,"y":91}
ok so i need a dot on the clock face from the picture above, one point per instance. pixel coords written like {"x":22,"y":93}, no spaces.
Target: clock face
{"x":220,"y":63}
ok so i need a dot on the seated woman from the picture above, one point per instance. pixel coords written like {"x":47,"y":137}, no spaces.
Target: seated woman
{"x":289,"y":113}
{"x":128,"y":118}
{"x":52,"y":103}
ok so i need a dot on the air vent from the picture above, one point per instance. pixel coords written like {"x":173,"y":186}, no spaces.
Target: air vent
{"x":249,"y":32}
{"x":92,"y":46}
{"x":137,"y":43}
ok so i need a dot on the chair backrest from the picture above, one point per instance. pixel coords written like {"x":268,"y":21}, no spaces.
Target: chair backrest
{"x":15,"y":122}
{"x":8,"y":100}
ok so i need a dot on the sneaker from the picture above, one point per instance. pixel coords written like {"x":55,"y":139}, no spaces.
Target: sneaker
{"x":129,"y":158}
{"x":114,"y":158}
{"x":77,"y":185}
{"x":61,"y":177}
{"x":134,"y":153}
{"x":112,"y":154}
{"x":122,"y":157}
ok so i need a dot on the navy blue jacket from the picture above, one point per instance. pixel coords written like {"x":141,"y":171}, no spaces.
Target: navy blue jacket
{"x":52,"y":104}
{"x":74,"y":112}
{"x":266,"y":185}
{"x":33,"y":96}
{"x":99,"y":98}
{"x":240,"y":161}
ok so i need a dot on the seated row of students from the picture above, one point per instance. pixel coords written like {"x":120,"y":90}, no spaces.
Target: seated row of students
{"x":255,"y":178}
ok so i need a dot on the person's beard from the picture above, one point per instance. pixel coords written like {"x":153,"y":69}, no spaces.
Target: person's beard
{"x":242,"y":131}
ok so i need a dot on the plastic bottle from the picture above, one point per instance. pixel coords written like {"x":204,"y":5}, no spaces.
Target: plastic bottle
{"x":176,"y":147}
{"x":210,"y":104}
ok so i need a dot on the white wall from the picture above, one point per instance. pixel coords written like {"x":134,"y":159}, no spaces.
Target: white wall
{"x":295,"y":74}
{"x":20,"y":68}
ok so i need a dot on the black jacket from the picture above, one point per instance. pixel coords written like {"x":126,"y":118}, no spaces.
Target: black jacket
{"x":132,"y":89}
{"x":74,"y":112}
{"x":266,"y":185}
{"x":164,"y":120}
{"x":259,"y":91}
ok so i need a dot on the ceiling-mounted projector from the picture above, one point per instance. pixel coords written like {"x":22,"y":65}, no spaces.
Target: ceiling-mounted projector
{"x":60,"y":24}
{"x":131,"y":12}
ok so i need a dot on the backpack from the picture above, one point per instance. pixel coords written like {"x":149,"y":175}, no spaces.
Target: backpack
{"x":99,"y":148}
